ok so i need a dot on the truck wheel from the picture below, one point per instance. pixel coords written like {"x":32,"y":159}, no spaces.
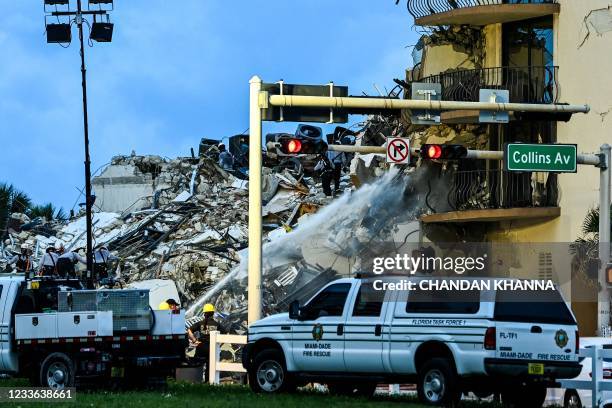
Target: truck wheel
{"x":572,"y":399}
{"x":361,"y":390}
{"x":57,"y":371}
{"x":437,"y":383}
{"x":269,"y":374}
{"x":525,"y":396}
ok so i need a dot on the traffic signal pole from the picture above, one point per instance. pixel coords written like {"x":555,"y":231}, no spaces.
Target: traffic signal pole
{"x":263,"y":100}
{"x":603,"y":301}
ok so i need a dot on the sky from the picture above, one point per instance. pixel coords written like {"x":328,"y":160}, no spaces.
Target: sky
{"x":174,"y":73}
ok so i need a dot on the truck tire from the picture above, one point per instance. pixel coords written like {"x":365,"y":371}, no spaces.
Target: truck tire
{"x":437,"y":383}
{"x":268,"y":373}
{"x":348,"y":389}
{"x":572,"y":399}
{"x":524,"y":396}
{"x":57,"y":371}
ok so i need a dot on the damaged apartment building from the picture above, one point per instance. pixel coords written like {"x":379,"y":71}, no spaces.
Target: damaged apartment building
{"x":544,"y":52}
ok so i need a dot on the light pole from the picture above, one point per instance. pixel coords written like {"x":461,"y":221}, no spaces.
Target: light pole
{"x":61,"y":33}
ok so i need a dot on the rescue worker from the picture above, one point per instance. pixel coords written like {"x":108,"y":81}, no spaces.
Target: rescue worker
{"x":226,"y":160}
{"x":169,"y":304}
{"x":23,"y":261}
{"x":102,"y":256}
{"x":338,"y":161}
{"x":198,"y":331}
{"x":48,"y":262}
{"x":326,"y":168}
{"x":66,"y":264}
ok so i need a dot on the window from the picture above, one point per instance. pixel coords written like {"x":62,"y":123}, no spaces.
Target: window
{"x":330,"y":302}
{"x":532,"y":306}
{"x":443,"y":301}
{"x":369,"y":301}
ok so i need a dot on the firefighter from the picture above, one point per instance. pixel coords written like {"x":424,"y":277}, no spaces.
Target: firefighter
{"x":327,"y":170}
{"x":23,"y":261}
{"x":199,"y":333}
{"x":48,"y":262}
{"x":66,"y":264}
{"x":102,"y":256}
{"x":169,"y":304}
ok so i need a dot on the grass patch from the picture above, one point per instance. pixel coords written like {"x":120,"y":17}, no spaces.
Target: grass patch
{"x":202,"y":395}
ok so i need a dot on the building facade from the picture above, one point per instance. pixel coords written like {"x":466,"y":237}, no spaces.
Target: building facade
{"x":546,"y":51}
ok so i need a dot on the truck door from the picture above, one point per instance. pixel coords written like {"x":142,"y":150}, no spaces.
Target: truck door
{"x":318,"y":337}
{"x":365,"y":331}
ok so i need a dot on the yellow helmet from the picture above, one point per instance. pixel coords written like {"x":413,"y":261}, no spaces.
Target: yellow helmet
{"x":164,"y":306}
{"x":208,"y":308}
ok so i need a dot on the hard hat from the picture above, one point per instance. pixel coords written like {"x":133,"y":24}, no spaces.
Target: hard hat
{"x":25,"y":246}
{"x":164,"y":306}
{"x":59,"y":245}
{"x":208,"y":308}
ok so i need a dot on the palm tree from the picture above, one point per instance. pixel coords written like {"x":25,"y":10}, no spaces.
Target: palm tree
{"x":47,"y":211}
{"x":586,"y":247}
{"x":11,"y":201}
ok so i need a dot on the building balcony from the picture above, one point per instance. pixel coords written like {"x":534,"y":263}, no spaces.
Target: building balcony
{"x":478,"y":12}
{"x":497,"y":195}
{"x":535,"y":84}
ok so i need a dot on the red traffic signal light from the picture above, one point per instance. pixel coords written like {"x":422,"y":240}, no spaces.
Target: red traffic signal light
{"x":443,"y":152}
{"x":291,"y":145}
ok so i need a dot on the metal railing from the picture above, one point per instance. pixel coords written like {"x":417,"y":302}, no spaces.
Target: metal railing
{"x":493,"y":189}
{"x":422,"y":8}
{"x":534,"y":84}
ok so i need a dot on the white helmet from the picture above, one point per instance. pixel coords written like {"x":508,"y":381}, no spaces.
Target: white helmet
{"x":59,"y":245}
{"x":25,"y":246}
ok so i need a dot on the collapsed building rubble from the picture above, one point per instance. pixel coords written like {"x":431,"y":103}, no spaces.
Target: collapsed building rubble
{"x":189,"y":228}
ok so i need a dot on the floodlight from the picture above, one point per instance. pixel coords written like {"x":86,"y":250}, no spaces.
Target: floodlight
{"x":101,"y":32}
{"x":59,"y":33}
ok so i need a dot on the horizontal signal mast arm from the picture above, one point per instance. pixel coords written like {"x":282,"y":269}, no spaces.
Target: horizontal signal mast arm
{"x":387,"y":103}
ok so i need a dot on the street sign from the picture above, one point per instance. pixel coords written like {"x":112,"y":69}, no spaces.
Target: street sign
{"x":424,"y":91}
{"x":398,"y":150}
{"x":552,"y":158}
{"x":494,"y":96}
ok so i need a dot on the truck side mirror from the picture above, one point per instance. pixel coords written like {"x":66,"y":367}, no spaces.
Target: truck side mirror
{"x":294,"y":310}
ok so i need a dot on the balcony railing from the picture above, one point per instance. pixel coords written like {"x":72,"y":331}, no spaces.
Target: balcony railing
{"x":535,"y":84}
{"x":423,"y":8}
{"x":493,"y":189}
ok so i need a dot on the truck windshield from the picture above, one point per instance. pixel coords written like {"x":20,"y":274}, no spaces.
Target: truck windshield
{"x":532,"y":306}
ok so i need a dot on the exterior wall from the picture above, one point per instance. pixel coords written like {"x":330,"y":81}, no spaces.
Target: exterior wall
{"x":493,"y":51}
{"x":440,"y":58}
{"x":583,"y":78}
{"x":119,"y":186}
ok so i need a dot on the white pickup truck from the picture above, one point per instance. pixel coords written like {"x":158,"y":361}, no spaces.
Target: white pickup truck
{"x":352,"y":337}
{"x":60,"y":348}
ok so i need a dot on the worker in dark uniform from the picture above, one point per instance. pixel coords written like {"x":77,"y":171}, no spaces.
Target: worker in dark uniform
{"x":327,"y":171}
{"x":23,"y":261}
{"x":66,"y":263}
{"x":102,"y":257}
{"x":198,"y":331}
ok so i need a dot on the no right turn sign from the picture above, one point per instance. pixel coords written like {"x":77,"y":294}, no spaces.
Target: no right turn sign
{"x":398,"y":150}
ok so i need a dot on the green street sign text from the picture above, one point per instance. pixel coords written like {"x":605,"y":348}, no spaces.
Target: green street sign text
{"x":554,"y":158}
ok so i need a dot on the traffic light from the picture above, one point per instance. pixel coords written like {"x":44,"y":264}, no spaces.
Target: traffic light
{"x":291,"y":145}
{"x":443,"y":152}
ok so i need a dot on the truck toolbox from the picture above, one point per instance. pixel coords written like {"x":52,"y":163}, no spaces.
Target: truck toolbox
{"x":63,"y":325}
{"x":36,"y":326}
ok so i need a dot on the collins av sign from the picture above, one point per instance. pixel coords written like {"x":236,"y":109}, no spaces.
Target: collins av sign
{"x":554,"y":158}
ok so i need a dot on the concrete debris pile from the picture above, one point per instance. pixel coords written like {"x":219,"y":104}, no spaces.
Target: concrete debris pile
{"x":188,"y":224}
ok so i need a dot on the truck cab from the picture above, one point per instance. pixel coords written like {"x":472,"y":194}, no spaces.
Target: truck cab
{"x":356,"y":333}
